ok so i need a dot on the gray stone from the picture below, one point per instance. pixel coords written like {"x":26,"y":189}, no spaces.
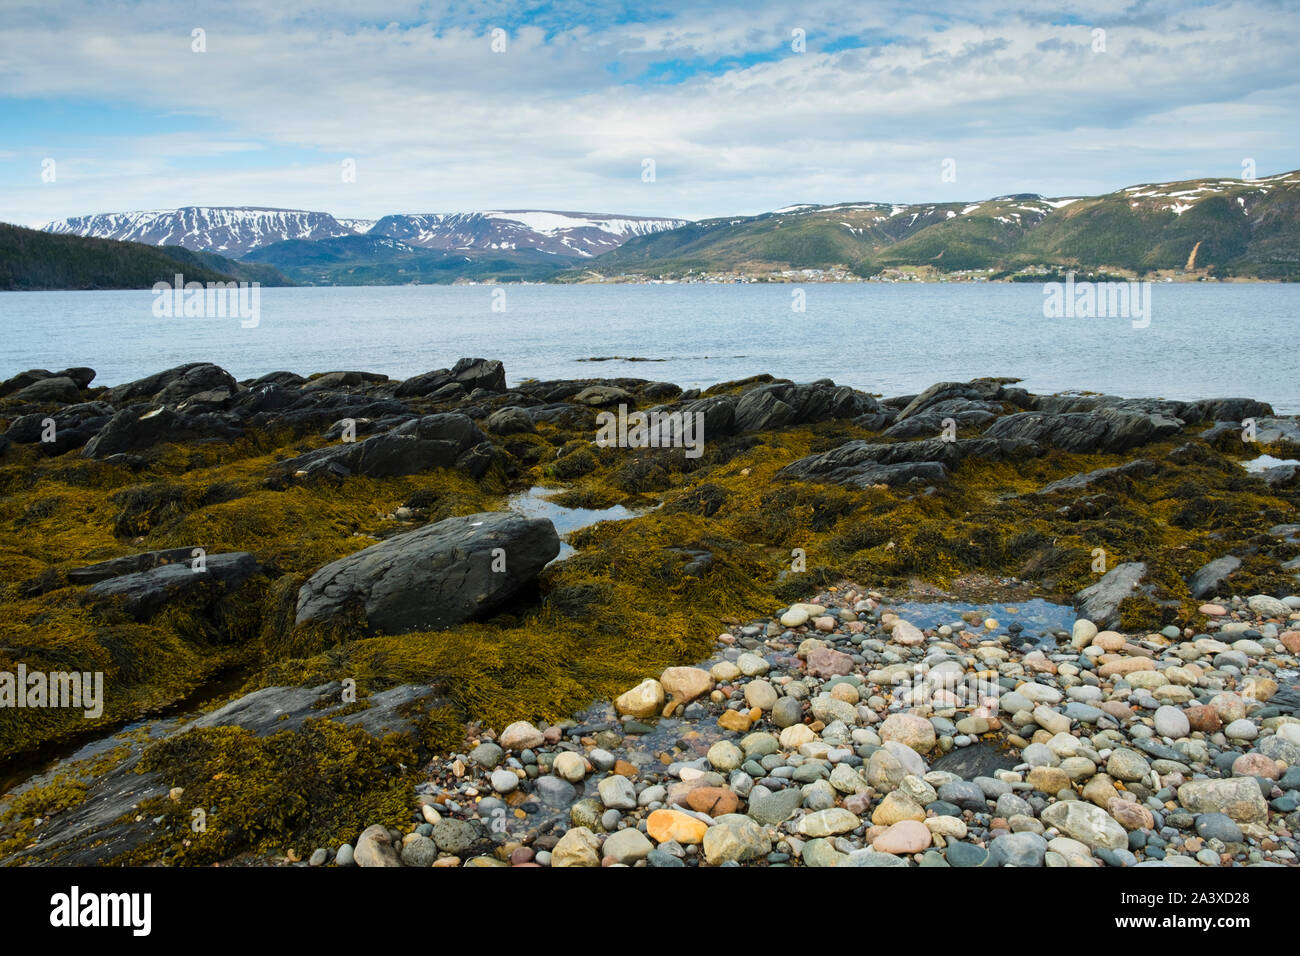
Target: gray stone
{"x":775,"y":808}
{"x":434,"y":577}
{"x":1018,"y":849}
{"x":420,"y":851}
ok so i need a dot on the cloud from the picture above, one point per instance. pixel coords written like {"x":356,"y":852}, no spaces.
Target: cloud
{"x":735,"y":120}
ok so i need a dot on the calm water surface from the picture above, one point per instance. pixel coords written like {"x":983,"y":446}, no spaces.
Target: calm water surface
{"x":1203,"y":339}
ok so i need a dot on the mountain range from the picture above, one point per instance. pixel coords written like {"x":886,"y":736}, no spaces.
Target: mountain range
{"x":1222,"y":227}
{"x":1205,"y":227}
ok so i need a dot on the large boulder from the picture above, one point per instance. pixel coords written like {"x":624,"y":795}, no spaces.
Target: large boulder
{"x":434,"y":577}
{"x":58,"y":389}
{"x":80,"y":376}
{"x":982,"y":394}
{"x":783,"y":403}
{"x":336,"y":380}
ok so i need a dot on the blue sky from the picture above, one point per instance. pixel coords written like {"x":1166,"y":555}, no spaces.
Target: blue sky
{"x":1023,"y":97}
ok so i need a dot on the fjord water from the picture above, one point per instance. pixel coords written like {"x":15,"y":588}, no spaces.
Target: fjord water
{"x":1203,"y":340}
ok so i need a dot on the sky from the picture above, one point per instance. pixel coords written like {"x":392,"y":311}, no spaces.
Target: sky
{"x":363,"y":109}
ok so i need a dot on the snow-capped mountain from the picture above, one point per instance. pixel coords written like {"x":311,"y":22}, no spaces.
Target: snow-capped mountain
{"x":236,"y":231}
{"x":558,"y":233}
{"x":231,"y":231}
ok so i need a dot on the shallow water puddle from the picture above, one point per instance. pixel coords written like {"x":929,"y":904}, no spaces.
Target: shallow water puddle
{"x":534,"y":503}
{"x":1264,"y":462}
{"x":1038,"y":618}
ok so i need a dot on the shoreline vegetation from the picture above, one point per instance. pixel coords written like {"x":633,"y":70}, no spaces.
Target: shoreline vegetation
{"x":333,"y":540}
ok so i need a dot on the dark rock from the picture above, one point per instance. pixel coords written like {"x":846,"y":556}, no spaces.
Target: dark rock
{"x":1231,"y":409}
{"x":81,"y":375}
{"x":172,"y":386}
{"x":599,"y":395}
{"x":781,"y":403}
{"x":1218,"y":826}
{"x":333,"y":380}
{"x":986,"y":391}
{"x":468,"y":373}
{"x":862,"y":463}
{"x":137,"y":428}
{"x":964,"y":794}
{"x":1100,"y":602}
{"x":445,"y":440}
{"x":74,"y":425}
{"x":930,"y":422}
{"x":24,"y":379}
{"x":434,"y":577}
{"x":144,"y":592}
{"x":1102,"y":430}
{"x":282,"y":379}
{"x":129,"y":564}
{"x":1139,"y":468}
{"x":511,"y":420}
{"x":54,"y":390}
{"x":1018,"y":849}
{"x":965,"y":854}
{"x":1209,"y":578}
{"x":977,"y":760}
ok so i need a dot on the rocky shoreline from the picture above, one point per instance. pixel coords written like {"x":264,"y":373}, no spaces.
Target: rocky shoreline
{"x":416,"y":653}
{"x":839,"y":734}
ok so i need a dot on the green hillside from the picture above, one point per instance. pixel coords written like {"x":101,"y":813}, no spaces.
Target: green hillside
{"x":35,"y":260}
{"x":1248,"y":229}
{"x":381,"y":260}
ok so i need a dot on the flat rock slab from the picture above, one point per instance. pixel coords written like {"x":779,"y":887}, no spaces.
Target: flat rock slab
{"x":145,"y":592}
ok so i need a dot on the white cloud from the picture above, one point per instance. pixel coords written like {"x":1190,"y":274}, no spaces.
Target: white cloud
{"x":437,"y":122}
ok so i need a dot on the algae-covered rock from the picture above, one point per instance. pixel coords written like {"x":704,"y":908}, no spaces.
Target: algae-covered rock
{"x":144,"y":592}
{"x":445,"y":440}
{"x":1100,"y":602}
